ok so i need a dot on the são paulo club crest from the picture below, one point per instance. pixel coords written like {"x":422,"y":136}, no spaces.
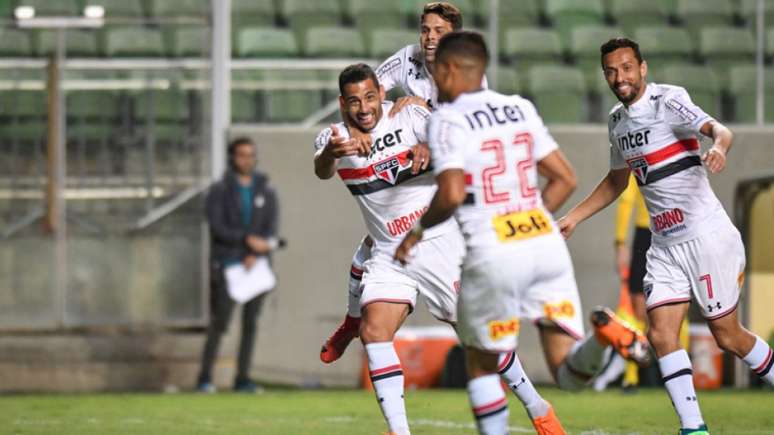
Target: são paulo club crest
{"x":639,"y":168}
{"x":388,"y":169}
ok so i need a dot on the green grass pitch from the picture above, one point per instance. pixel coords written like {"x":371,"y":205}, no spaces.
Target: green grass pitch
{"x":344,"y":412}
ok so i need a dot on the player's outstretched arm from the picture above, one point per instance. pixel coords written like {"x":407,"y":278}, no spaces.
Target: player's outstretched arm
{"x":402,"y":102}
{"x":715,"y":157}
{"x":449,"y":196}
{"x":335,"y":147}
{"x":605,"y":193}
{"x":561,"y":179}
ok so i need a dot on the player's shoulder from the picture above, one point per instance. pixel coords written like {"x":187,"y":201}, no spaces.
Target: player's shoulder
{"x":398,"y":59}
{"x":615,"y":114}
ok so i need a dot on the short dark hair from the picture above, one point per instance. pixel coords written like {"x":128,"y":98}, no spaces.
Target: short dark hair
{"x":355,"y":74}
{"x":616,"y":43}
{"x":470,"y":45}
{"x":447,"y":11}
{"x":242,"y":140}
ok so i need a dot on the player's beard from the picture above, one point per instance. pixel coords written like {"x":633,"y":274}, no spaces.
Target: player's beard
{"x":628,"y":98}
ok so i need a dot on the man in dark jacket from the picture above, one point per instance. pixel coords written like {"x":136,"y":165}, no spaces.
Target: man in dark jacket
{"x":242,"y":213}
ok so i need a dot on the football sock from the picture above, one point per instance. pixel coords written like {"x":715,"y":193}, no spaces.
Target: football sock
{"x":760,"y":359}
{"x":678,"y":379}
{"x":387,"y":378}
{"x":611,"y":372}
{"x":362,"y":254}
{"x":490,"y":407}
{"x":585,"y":359}
{"x":511,"y":370}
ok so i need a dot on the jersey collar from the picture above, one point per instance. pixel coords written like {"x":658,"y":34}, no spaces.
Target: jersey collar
{"x":642,"y":105}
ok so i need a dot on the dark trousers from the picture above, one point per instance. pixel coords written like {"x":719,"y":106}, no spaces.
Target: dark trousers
{"x":221,"y":307}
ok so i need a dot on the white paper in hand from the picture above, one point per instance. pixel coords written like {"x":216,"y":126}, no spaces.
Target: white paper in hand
{"x":244,"y":284}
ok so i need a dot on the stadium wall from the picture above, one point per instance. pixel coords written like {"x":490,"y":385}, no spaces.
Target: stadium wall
{"x":323,"y":226}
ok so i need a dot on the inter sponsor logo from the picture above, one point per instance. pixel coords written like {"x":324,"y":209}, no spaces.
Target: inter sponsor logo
{"x":494,"y":115}
{"x":633,"y":139}
{"x":503,"y":328}
{"x":402,"y":224}
{"x":388,"y":140}
{"x":668,"y":219}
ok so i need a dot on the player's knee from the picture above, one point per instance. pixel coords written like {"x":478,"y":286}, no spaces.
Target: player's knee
{"x":732,"y":340}
{"x":663,"y":340}
{"x":371,"y":332}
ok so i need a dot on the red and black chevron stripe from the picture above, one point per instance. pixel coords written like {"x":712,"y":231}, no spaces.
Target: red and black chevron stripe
{"x":386,"y":372}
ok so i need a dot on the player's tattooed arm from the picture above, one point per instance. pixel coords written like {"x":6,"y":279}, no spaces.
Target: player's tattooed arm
{"x":715,"y":157}
{"x":561,"y":179}
{"x":603,"y":195}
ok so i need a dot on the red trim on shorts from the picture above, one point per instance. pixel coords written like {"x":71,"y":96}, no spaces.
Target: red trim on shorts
{"x":571,"y":332}
{"x":387,"y":369}
{"x":723,"y":314}
{"x":668,"y":302}
{"x":672,"y":150}
{"x":765,"y":362}
{"x":392,"y":301}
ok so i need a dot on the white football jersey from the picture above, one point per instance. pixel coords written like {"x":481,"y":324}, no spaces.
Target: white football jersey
{"x":390,"y":197}
{"x":498,"y":141}
{"x":406,"y":69}
{"x":656,"y":137}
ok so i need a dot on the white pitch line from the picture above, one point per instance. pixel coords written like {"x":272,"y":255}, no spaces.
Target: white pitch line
{"x":455,"y":425}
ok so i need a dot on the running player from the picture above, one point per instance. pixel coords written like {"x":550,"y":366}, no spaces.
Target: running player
{"x":410,"y":69}
{"x":393,"y":189}
{"x":487,"y":150}
{"x":696,"y":252}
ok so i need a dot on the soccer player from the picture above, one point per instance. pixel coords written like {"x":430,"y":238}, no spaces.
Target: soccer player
{"x":696,"y":252}
{"x":487,"y":150}
{"x":392,"y":185}
{"x":409,"y":69}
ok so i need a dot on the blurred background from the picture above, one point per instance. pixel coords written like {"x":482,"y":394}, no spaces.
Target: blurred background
{"x":113,"y":120}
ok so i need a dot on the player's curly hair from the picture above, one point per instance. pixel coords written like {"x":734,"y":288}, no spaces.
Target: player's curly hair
{"x":616,"y":43}
{"x":355,"y":74}
{"x":447,"y":11}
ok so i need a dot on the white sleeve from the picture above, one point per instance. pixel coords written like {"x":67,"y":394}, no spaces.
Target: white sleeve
{"x":418,"y":118}
{"x":324,"y":137}
{"x":389,"y":72}
{"x":447,"y":137}
{"x":682,"y":113}
{"x":616,"y":158}
{"x":543,"y":143}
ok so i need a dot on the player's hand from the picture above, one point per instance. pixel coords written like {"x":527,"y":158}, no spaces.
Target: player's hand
{"x":257,"y":244}
{"x":420,"y":158}
{"x":403,"y":253}
{"x":714,"y":159}
{"x":339,"y":146}
{"x":566,"y":226}
{"x":402,"y":102}
{"x":249,"y":261}
{"x":362,"y":140}
{"x":622,"y":258}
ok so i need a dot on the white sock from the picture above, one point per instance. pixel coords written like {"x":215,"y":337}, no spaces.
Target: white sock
{"x":511,"y":370}
{"x":613,"y":370}
{"x":761,"y":359}
{"x":387,"y":378}
{"x":490,"y":407}
{"x":678,"y":379}
{"x":362,"y":254}
{"x":585,"y":359}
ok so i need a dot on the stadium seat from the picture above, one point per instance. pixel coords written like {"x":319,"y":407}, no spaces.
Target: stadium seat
{"x":700,"y":82}
{"x":78,"y":43}
{"x":266,"y":42}
{"x":413,"y":10}
{"x":168,"y":106}
{"x":134,"y":42}
{"x":292,"y":96}
{"x":180,"y":8}
{"x":669,"y":6}
{"x":385,"y":42}
{"x":46,"y":8}
{"x":23,"y":104}
{"x":568,"y":14}
{"x":584,"y":48}
{"x":368,"y":15}
{"x":511,"y":13}
{"x":749,"y":8}
{"x":304,"y":14}
{"x":769,"y":43}
{"x":632,"y":14}
{"x":744,"y":93}
{"x":190,"y":41}
{"x":699,"y":14}
{"x":243,"y":106}
{"x":92,"y":105}
{"x":133,"y":9}
{"x":726,"y":47}
{"x":508,"y":81}
{"x":333,"y":42}
{"x":559,"y":93}
{"x":661,"y":45}
{"x":524,"y":47}
{"x":252,"y":13}
{"x":15,"y":42}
